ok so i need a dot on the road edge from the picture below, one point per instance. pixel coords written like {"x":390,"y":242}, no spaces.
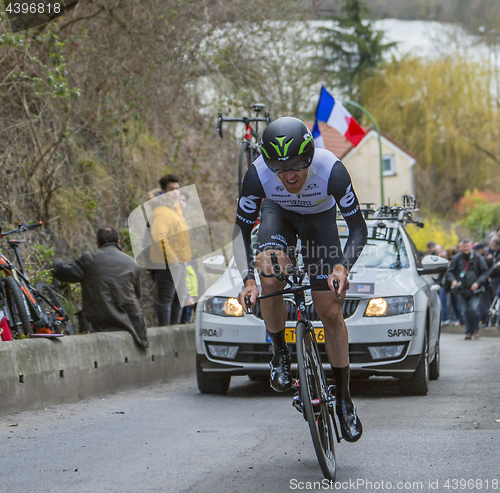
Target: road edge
{"x":35,"y":373}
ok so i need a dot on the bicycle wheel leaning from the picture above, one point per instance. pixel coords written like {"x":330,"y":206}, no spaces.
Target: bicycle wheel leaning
{"x":54,"y":309}
{"x":18,"y":311}
{"x":315,"y":400}
{"x":494,"y":312}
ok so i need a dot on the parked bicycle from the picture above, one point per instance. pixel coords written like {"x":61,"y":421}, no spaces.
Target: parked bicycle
{"x":30,"y":310}
{"x":313,"y":397}
{"x":249,"y":150}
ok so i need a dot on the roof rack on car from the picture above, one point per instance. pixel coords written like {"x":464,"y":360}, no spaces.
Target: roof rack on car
{"x":403,"y":213}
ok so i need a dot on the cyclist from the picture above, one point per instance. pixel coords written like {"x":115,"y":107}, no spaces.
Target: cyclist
{"x":300,"y":186}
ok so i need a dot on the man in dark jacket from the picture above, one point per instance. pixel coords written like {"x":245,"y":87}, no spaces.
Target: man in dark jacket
{"x":494,"y":255}
{"x":110,"y":287}
{"x":467,"y":272}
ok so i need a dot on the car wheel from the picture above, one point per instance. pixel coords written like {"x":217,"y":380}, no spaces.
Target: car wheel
{"x":211,"y":384}
{"x":418,"y":384}
{"x":436,"y":362}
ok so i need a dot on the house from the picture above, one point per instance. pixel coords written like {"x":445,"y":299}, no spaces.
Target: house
{"x":363,"y":164}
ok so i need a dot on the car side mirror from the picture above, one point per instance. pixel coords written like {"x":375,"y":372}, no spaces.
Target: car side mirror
{"x":215,"y":265}
{"x":433,"y":264}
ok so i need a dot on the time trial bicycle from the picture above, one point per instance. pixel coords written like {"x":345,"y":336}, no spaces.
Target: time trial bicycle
{"x":313,"y":397}
{"x":249,"y":150}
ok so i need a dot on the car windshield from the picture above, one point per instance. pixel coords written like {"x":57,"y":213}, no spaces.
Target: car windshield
{"x":381,"y":250}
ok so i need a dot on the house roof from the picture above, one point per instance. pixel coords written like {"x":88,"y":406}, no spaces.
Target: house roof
{"x":335,"y":142}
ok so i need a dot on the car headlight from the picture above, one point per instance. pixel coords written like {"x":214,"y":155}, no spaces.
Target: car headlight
{"x":225,"y":307}
{"x":386,"y":307}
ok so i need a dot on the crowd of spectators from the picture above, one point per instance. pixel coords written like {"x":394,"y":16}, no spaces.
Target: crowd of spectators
{"x":471,"y":282}
{"x":110,"y":279}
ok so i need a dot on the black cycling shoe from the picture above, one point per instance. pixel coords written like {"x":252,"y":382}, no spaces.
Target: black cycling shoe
{"x":350,"y":425}
{"x":281,"y":379}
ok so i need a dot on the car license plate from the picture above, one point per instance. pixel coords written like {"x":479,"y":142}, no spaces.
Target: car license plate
{"x":318,"y":331}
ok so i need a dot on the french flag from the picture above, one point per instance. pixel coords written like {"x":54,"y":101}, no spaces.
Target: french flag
{"x":334,"y":114}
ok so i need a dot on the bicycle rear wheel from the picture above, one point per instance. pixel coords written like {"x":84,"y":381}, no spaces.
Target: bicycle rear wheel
{"x":244,"y":163}
{"x":18,"y":314}
{"x":314,"y":395}
{"x":54,"y":309}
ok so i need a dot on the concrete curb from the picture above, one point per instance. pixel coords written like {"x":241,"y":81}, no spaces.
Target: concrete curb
{"x":35,"y":373}
{"x":460,"y":329}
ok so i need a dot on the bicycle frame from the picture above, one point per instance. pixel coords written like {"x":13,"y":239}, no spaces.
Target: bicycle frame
{"x":313,"y":397}
{"x":297,"y":289}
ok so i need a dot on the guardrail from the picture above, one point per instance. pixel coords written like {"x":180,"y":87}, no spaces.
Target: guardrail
{"x":42,"y":372}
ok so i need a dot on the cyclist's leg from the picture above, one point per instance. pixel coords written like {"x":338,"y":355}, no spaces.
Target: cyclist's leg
{"x":275,"y":235}
{"x":321,"y":254}
{"x":329,"y":309}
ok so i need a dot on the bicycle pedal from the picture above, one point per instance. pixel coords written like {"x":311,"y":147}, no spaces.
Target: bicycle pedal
{"x":297,"y":403}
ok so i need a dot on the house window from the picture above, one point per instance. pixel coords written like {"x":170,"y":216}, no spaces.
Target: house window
{"x":389,"y":165}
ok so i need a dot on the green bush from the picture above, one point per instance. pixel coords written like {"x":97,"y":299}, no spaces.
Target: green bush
{"x":483,"y":218}
{"x":434,"y":230}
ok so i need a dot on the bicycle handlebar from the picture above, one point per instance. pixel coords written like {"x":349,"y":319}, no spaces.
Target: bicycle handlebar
{"x":293,"y":289}
{"x":244,"y":119}
{"x":22,"y":228}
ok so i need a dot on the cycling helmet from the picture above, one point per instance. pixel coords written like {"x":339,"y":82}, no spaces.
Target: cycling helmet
{"x":287,"y":144}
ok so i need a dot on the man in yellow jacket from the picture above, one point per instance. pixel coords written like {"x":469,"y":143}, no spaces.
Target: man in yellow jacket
{"x":170,"y":250}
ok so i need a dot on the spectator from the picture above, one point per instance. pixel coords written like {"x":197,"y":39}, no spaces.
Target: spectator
{"x":486,"y":297}
{"x":467,"y":272}
{"x":170,"y":249}
{"x":192,"y":287}
{"x":431,"y":249}
{"x":455,"y":316}
{"x":494,"y":273}
{"x":110,"y":287}
{"x":480,"y":248}
{"x":191,"y":277}
{"x":492,"y":254}
{"x":443,"y":291}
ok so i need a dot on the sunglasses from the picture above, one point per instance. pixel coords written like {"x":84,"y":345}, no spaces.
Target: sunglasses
{"x":296,"y":164}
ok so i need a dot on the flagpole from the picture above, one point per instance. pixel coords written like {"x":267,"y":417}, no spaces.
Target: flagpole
{"x":377,"y":129}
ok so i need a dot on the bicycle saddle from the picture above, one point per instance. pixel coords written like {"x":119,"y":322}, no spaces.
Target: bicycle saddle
{"x":258,"y":107}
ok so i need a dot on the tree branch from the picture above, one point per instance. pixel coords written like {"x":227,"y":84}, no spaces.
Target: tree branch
{"x":488,"y":153}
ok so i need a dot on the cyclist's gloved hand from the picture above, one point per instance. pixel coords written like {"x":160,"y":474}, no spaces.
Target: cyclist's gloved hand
{"x":339,"y":273}
{"x":251,"y":291}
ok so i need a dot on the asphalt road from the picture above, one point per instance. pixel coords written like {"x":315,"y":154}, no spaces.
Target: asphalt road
{"x":170,"y":438}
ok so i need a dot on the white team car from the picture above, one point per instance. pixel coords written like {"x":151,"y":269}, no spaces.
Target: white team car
{"x":392,"y":311}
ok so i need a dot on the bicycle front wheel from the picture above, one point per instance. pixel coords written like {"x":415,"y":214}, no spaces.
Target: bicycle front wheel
{"x":244,"y":163}
{"x":315,"y":400}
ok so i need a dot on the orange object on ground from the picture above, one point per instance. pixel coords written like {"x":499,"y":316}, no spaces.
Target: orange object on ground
{"x":44,"y":330}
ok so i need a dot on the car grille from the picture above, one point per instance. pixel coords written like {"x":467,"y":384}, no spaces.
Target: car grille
{"x":261,"y":353}
{"x":348,"y":309}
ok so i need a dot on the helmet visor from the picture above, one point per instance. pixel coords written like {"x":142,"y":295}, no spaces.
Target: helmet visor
{"x":295,"y":164}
